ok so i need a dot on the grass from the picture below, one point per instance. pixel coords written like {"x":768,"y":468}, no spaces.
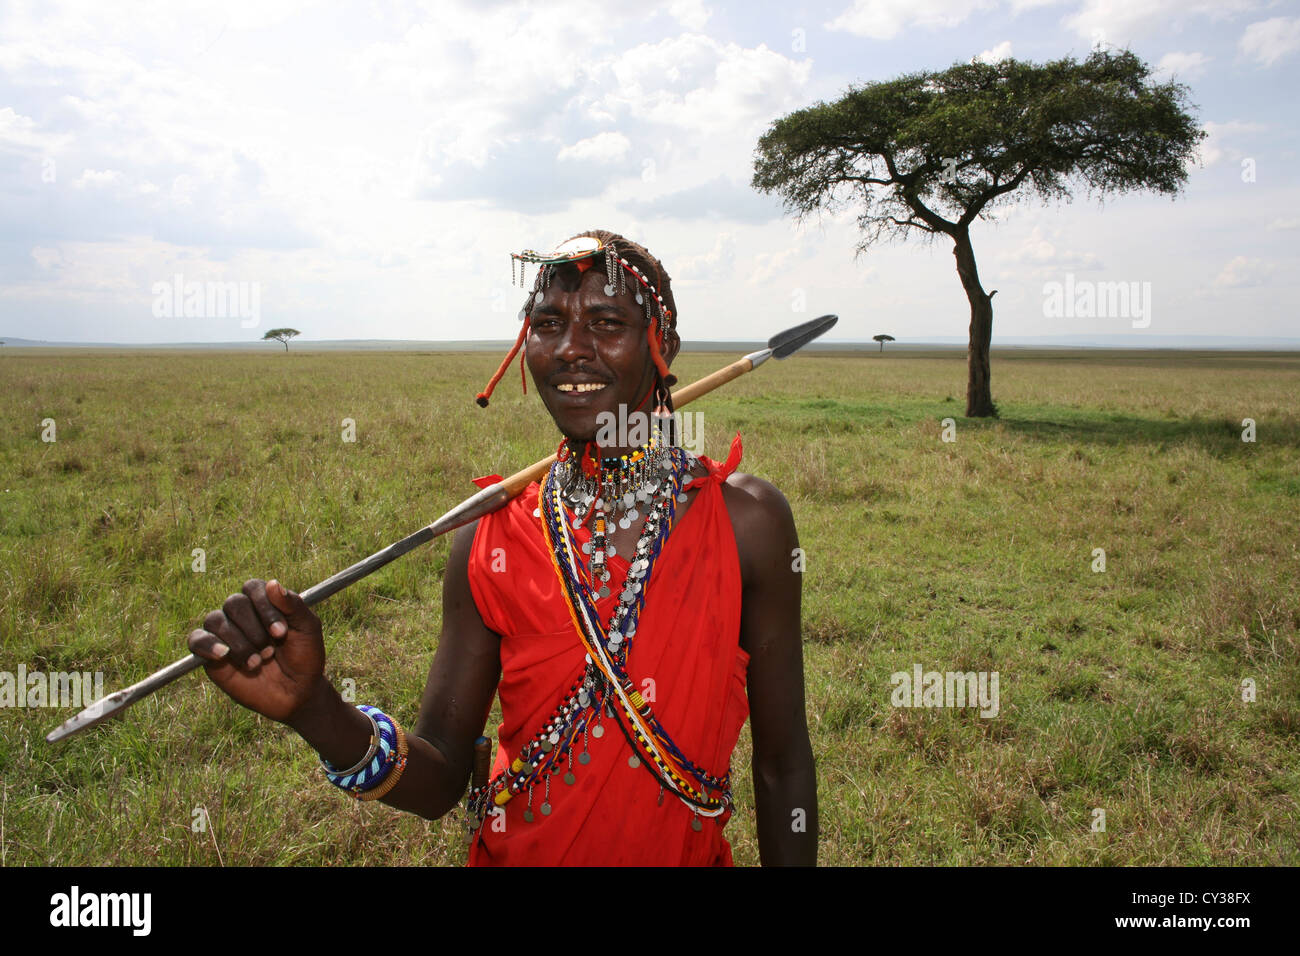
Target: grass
{"x":1120,"y":690}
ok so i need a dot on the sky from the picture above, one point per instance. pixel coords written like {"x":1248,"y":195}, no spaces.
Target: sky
{"x":365,"y":169}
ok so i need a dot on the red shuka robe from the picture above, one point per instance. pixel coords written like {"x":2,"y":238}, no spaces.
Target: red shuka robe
{"x":687,"y":642}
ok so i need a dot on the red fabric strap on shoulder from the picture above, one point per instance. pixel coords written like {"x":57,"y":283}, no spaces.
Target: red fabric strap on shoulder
{"x":721,"y":472}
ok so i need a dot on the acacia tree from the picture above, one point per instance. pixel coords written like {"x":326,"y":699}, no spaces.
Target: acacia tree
{"x":281,"y":335}
{"x":929,"y":153}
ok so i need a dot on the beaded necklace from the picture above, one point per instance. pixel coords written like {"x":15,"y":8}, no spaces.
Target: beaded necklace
{"x":653,"y":477}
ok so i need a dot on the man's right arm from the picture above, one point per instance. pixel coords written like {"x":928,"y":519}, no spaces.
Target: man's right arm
{"x":457,"y":699}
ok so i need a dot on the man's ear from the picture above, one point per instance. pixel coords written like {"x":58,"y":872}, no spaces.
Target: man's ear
{"x":672,"y":345}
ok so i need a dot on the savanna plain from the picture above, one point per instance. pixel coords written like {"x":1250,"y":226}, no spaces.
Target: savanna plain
{"x":1163,"y":690}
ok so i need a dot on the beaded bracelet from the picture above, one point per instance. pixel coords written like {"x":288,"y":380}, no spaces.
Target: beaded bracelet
{"x":360,"y":764}
{"x":398,"y":766}
{"x":391,"y":751}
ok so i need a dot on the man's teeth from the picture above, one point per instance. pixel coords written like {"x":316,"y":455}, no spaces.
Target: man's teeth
{"x":581,"y":387}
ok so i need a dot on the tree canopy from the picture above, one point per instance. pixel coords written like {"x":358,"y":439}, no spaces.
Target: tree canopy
{"x":281,"y":335}
{"x":929,"y":153}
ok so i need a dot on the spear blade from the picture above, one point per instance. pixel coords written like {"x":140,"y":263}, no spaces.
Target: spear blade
{"x":784,"y":344}
{"x":106,"y":707}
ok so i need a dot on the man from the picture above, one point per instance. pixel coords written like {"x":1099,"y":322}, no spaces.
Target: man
{"x":578,"y":606}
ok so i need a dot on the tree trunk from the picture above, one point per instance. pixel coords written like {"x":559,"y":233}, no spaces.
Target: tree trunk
{"x":286,"y":345}
{"x":979,"y":395}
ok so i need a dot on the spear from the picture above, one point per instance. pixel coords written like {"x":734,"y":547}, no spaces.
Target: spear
{"x":782,"y":345}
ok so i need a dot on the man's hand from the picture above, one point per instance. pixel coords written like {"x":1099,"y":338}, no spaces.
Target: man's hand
{"x":264,"y":648}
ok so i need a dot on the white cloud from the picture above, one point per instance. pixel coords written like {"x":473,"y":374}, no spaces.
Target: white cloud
{"x":716,"y":264}
{"x":698,"y":84}
{"x":20,"y":134}
{"x":1120,"y":22}
{"x":885,"y":19}
{"x":496,"y":118}
{"x":1242,"y":272}
{"x":1112,"y":22}
{"x":1183,"y":66}
{"x":47,"y":257}
{"x":1285,"y":225}
{"x":768,"y":265}
{"x":1221,"y":143}
{"x":995,"y":55}
{"x":1268,"y":41}
{"x":601,"y":148}
{"x":1038,"y":250}
{"x":97,"y":178}
{"x":14,"y":127}
{"x":476,"y":75}
{"x":692,"y":14}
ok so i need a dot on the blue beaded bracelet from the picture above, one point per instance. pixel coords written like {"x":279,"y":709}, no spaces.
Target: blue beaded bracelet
{"x":370,"y":773}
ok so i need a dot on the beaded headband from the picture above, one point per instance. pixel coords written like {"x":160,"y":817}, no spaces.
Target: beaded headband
{"x":581,"y":252}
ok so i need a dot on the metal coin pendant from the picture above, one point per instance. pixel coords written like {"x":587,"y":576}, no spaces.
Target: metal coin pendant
{"x":696,"y":825}
{"x":569,"y":778}
{"x":528,"y":816}
{"x":598,"y":731}
{"x":634,"y":761}
{"x":584,"y":757}
{"x":609,"y":290}
{"x":546,"y":810}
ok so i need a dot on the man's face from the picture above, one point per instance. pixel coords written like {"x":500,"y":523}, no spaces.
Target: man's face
{"x":588,"y":353}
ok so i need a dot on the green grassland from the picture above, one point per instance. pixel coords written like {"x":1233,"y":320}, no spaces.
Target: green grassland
{"x":1120,"y":690}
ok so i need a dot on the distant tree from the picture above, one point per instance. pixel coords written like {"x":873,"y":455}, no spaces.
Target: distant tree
{"x":929,"y":153}
{"x":882,"y":339}
{"x":281,"y":335}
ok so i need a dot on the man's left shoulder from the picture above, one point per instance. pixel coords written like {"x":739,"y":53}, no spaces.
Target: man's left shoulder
{"x":760,"y":513}
{"x":752,"y":493}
